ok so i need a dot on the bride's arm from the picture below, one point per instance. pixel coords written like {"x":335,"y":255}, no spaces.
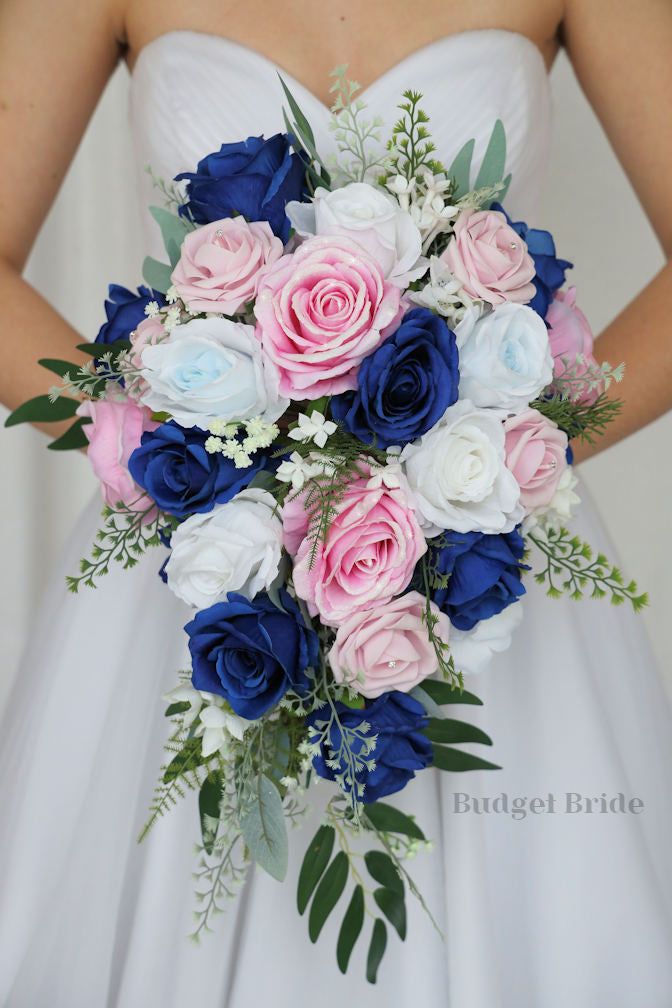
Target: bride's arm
{"x":55,"y":59}
{"x":620,"y":51}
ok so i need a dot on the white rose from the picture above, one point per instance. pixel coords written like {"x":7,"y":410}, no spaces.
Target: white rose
{"x":561,"y":508}
{"x":235,"y":548}
{"x":211,"y":368}
{"x":458,"y":477}
{"x":505,"y":357}
{"x":473,"y":649}
{"x":370,"y":217}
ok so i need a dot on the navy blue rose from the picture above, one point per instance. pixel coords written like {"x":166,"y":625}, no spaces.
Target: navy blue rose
{"x":406,"y":385}
{"x":550,"y":271}
{"x":484,"y":574}
{"x":125,"y":311}
{"x":398,"y":720}
{"x":172,"y":465}
{"x":255,"y":178}
{"x":251,"y":652}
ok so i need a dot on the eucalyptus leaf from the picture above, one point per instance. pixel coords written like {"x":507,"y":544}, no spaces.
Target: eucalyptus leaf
{"x":388,"y":819}
{"x":327,"y":895}
{"x":350,"y":929}
{"x":423,"y":698}
{"x":460,"y":169}
{"x":382,"y":869}
{"x":492,"y":167}
{"x":264,"y":830}
{"x":393,"y":906}
{"x":174,"y":230}
{"x":451,"y":731}
{"x":42,"y":410}
{"x":458,"y":761}
{"x":315,"y":861}
{"x":157,"y":274}
{"x":73,"y":439}
{"x":376,"y":949}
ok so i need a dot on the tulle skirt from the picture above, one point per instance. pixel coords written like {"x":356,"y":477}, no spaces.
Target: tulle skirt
{"x":546,"y":909}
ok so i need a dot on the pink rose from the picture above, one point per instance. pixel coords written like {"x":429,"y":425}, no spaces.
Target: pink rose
{"x":387,"y":648}
{"x":569,"y":335}
{"x":489,"y":259}
{"x":320,"y":311}
{"x":149,"y":332}
{"x":536,"y":454}
{"x":369,"y":555}
{"x":113,"y":434}
{"x":220,"y":264}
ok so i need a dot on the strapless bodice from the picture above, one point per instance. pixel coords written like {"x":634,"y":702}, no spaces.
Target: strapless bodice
{"x":191,"y":92}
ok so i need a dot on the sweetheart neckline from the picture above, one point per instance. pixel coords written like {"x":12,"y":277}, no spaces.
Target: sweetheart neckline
{"x":364,"y":93}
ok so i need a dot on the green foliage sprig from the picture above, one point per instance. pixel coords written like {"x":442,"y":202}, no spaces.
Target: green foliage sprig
{"x":358,"y":139}
{"x":124,"y":537}
{"x":445,"y":662}
{"x":582,"y":420}
{"x":572,"y":569}
{"x":410,"y":147}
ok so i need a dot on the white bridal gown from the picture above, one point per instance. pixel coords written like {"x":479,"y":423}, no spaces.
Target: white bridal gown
{"x":550,"y":911}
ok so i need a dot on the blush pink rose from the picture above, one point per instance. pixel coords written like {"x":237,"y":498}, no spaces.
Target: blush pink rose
{"x":368,"y":557}
{"x":113,"y":434}
{"x":320,"y":311}
{"x":536,"y":453}
{"x":569,"y":335}
{"x":220,"y":263}
{"x":489,"y":259}
{"x":387,"y":648}
{"x":149,"y":332}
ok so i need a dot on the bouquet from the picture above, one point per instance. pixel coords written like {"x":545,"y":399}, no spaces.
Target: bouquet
{"x":345,"y":406}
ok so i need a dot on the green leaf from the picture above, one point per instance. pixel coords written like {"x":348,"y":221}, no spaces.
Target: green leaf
{"x":59,"y":367}
{"x":174,"y":230}
{"x":264,"y":829}
{"x":263,"y":480}
{"x":350,"y":928}
{"x":188,"y":756}
{"x":156,"y":274}
{"x":180,"y":707}
{"x":42,"y":410}
{"x":394,"y":907}
{"x":73,"y":439}
{"x":388,"y":819}
{"x":449,"y":730}
{"x":96,"y":350}
{"x":209,"y":800}
{"x":460,"y":169}
{"x":376,"y":949}
{"x":492,"y":167}
{"x":457,"y":761}
{"x":299,"y":117}
{"x":444,"y":693}
{"x":281,"y":755}
{"x":328,"y":893}
{"x":426,"y":701}
{"x":382,"y":869}
{"x":315,"y":861}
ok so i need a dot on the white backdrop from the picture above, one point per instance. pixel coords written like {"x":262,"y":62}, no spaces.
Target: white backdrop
{"x":590,"y":208}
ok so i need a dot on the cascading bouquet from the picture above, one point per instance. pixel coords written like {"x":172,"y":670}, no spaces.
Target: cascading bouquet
{"x":345,"y":406}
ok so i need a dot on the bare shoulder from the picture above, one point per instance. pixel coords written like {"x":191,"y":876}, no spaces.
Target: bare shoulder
{"x":620,"y":51}
{"x":55,"y":59}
